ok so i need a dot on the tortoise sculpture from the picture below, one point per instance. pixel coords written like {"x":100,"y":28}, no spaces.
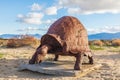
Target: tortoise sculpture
{"x":66,"y":36}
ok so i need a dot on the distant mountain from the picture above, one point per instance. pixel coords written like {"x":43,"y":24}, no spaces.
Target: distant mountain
{"x":104,"y":36}
{"x":8,"y":36}
{"x":38,"y":36}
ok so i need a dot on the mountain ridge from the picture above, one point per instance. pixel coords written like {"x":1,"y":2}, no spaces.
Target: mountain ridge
{"x":104,"y":36}
{"x":98,"y":36}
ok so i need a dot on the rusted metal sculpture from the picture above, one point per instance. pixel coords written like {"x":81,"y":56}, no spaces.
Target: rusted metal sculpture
{"x":66,"y":36}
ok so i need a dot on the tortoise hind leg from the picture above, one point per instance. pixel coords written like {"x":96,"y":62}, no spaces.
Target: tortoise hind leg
{"x":56,"y":57}
{"x":90,"y":59}
{"x":78,"y":62}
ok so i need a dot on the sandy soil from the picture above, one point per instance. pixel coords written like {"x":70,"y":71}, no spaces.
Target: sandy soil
{"x":15,"y":56}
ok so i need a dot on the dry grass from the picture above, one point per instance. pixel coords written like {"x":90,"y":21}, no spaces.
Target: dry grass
{"x":3,"y":42}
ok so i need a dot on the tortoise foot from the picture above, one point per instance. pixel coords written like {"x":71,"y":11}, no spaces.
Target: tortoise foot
{"x":31,"y":62}
{"x":55,"y":59}
{"x":77,"y":67}
{"x":91,"y":60}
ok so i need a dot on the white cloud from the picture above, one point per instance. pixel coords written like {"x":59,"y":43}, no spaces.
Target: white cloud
{"x":108,"y":29}
{"x":35,"y":7}
{"x":112,"y":29}
{"x":73,"y":10}
{"x":31,"y":29}
{"x":20,"y":16}
{"x":90,"y":6}
{"x":51,"y":10}
{"x":35,"y":15}
{"x":49,"y":21}
{"x":1,"y":33}
{"x":31,"y":18}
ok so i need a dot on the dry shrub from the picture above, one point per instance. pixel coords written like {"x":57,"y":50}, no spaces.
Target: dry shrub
{"x":98,"y":43}
{"x":116,"y":42}
{"x":107,"y":42}
{"x":22,"y":41}
{"x":3,"y":42}
{"x":91,"y":43}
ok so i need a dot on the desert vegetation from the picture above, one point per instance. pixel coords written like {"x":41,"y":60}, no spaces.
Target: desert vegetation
{"x":116,"y":42}
{"x":100,"y":44}
{"x":26,"y":40}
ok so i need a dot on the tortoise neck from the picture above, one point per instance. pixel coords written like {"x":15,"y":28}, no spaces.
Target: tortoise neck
{"x":46,"y":47}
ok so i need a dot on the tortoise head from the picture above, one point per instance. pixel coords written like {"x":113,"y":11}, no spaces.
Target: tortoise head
{"x":36,"y":58}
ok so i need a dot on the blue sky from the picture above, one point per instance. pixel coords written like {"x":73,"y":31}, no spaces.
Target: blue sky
{"x":35,"y":16}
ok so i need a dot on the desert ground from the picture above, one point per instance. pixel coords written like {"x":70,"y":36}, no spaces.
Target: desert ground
{"x":13,"y":57}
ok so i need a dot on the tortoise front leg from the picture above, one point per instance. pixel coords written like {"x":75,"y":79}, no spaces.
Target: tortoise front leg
{"x":33,"y":59}
{"x":78,"y":62}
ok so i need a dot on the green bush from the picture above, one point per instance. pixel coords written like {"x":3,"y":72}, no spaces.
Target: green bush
{"x":1,"y":55}
{"x":92,"y":47}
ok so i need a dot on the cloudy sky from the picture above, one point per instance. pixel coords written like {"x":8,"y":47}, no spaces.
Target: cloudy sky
{"x":35,"y":16}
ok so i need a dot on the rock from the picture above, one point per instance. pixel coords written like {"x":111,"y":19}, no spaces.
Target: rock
{"x":59,"y":68}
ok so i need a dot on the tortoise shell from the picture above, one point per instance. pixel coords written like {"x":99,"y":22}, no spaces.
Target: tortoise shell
{"x":67,"y":34}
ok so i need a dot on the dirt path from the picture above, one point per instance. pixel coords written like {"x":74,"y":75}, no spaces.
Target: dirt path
{"x":14,"y":57}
